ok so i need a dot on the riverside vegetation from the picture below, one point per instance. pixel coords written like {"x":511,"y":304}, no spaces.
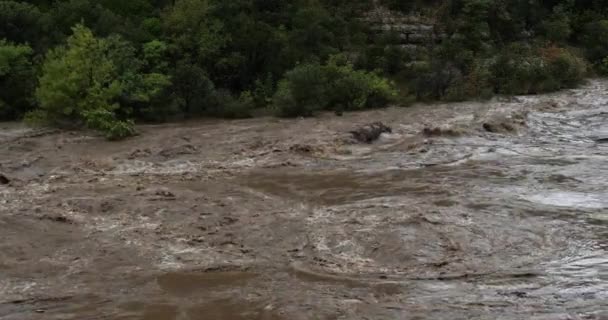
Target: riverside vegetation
{"x":105,"y":65}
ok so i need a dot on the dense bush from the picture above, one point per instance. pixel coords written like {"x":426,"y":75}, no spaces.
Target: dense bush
{"x":303,"y":91}
{"x":523,"y":71}
{"x":17,"y":80}
{"x":595,"y":40}
{"x":225,"y":105}
{"x":332,"y":86}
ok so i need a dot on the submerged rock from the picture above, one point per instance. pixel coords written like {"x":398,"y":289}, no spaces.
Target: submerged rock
{"x":506,"y":123}
{"x":370,"y":132}
{"x":4,"y":179}
{"x":302,"y":148}
{"x":180,"y":150}
{"x":439,"y":132}
{"x":498,"y":127}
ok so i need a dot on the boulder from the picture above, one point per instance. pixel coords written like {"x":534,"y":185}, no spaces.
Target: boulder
{"x":370,"y":132}
{"x":4,"y":179}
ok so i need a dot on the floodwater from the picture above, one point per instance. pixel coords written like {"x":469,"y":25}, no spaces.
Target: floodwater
{"x":499,"y":211}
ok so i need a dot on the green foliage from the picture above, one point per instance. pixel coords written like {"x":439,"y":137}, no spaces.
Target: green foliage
{"x":595,"y":40}
{"x":350,"y":89}
{"x":476,"y":84}
{"x":557,"y":27}
{"x":66,"y":14}
{"x":155,"y":60}
{"x":105,"y":121}
{"x":303,"y":91}
{"x":192,"y":28}
{"x":91,"y":81}
{"x":432,"y":79}
{"x":566,"y":67}
{"x":524,"y":70}
{"x":408,"y":6}
{"x":225,"y":105}
{"x":603,"y":66}
{"x":19,"y":21}
{"x":334,"y":86}
{"x":263,"y":91}
{"x":192,"y":88}
{"x":77,"y":79}
{"x":16,"y":80}
{"x":473,"y":27}
{"x":312,"y":34}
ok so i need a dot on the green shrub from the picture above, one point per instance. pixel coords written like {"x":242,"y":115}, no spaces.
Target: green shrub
{"x":557,"y":27}
{"x":595,"y":40}
{"x":537,"y":70}
{"x":302,"y":92}
{"x":192,"y":89}
{"x":225,"y":105}
{"x":478,"y":81}
{"x":334,"y":86}
{"x":263,"y":91}
{"x":105,"y":121}
{"x":564,"y":66}
{"x":352,"y":89}
{"x":518,"y":74}
{"x":602,"y":66}
{"x":16,"y":80}
{"x":285,"y":103}
{"x":435,"y":80}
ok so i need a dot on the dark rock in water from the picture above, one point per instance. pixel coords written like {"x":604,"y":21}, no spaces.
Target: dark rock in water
{"x":339,"y":111}
{"x":59,"y":219}
{"x":4,"y":179}
{"x":488,"y":127}
{"x":498,"y":127}
{"x":301,"y":148}
{"x":602,"y":140}
{"x":370,"y":132}
{"x":185,"y":149}
{"x":438,"y":132}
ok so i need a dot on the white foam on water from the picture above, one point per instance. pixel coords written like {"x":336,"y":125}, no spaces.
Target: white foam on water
{"x":570,"y":199}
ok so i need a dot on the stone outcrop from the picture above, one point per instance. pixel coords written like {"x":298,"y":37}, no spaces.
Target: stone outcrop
{"x":412,"y":30}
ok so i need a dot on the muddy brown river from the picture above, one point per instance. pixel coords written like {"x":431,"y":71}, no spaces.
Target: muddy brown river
{"x":498,"y":210}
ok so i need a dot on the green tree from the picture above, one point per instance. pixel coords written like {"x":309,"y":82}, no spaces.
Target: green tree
{"x":191,"y":88}
{"x":21,"y":22}
{"x":302,"y":92}
{"x":17,"y":82}
{"x":65,"y":14}
{"x":79,"y":86}
{"x":194,"y":30}
{"x":91,"y":82}
{"x":474,"y":28}
{"x":557,"y":26}
{"x":595,"y":40}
